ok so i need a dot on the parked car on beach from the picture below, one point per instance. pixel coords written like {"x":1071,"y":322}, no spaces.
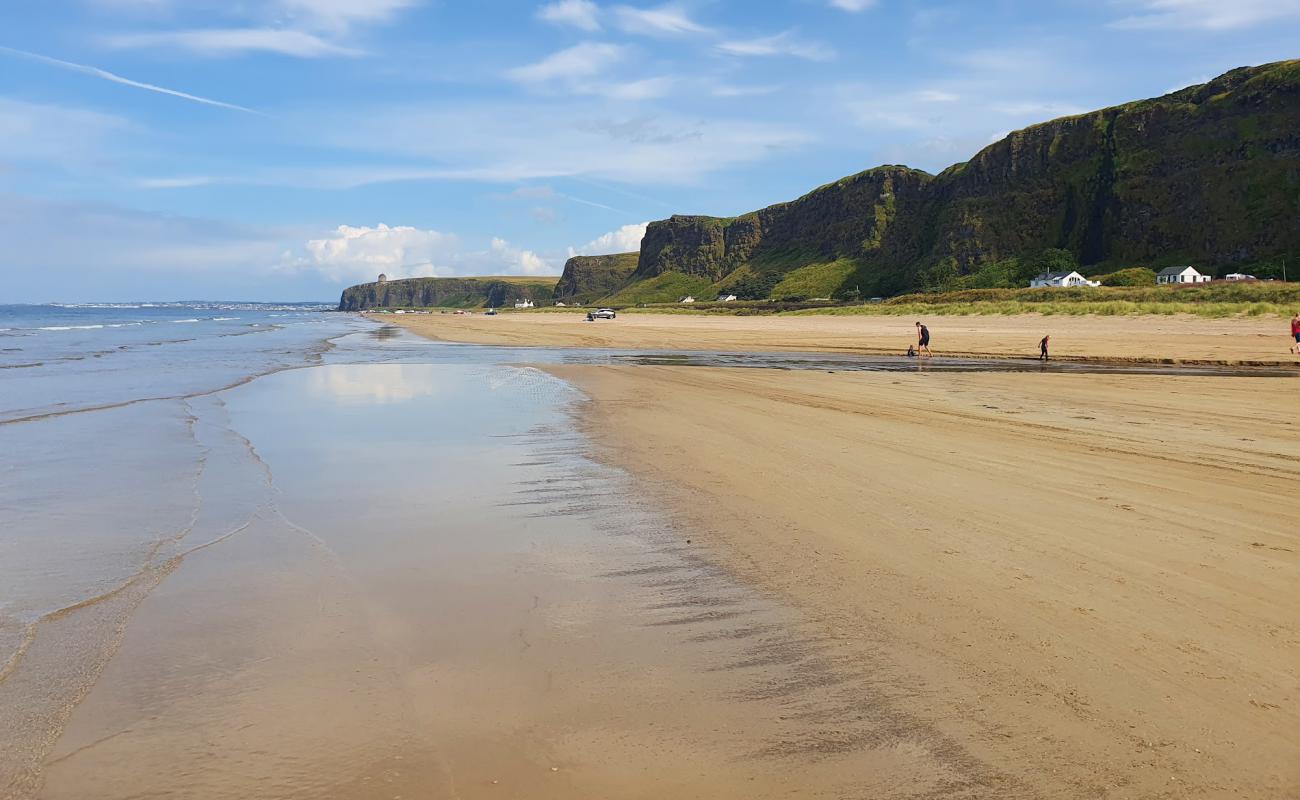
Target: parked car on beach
{"x":603,"y":313}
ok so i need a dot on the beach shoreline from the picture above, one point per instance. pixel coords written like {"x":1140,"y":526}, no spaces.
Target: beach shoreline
{"x":1072,"y":574}
{"x":1168,"y":340}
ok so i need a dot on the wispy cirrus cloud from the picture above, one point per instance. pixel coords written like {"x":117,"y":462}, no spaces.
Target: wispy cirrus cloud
{"x":297,"y":28}
{"x":581,"y":14}
{"x":231,"y":41}
{"x":852,"y":6}
{"x":666,"y":20}
{"x":335,"y":17}
{"x":579,"y":62}
{"x":339,"y":16}
{"x":96,"y":72}
{"x":585,"y":69}
{"x":781,"y":44}
{"x":1209,"y":15}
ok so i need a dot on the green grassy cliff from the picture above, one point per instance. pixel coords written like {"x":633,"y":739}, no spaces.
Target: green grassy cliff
{"x":448,"y":293}
{"x":586,"y":279}
{"x":1209,"y":175}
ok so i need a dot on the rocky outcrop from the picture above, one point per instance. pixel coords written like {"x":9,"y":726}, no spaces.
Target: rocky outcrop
{"x":1208,"y":175}
{"x":589,"y":278}
{"x":446,"y":293}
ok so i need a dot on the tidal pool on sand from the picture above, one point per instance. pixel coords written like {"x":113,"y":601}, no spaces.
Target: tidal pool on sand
{"x":435,"y":592}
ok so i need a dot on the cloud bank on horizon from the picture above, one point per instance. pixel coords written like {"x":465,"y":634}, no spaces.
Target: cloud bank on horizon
{"x":284,"y":149}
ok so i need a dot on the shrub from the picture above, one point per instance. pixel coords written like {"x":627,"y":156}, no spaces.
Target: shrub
{"x":1134,"y":276}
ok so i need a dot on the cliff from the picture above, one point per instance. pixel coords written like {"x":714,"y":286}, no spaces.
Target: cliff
{"x":447,"y":293}
{"x":1209,"y":175}
{"x":589,"y":278}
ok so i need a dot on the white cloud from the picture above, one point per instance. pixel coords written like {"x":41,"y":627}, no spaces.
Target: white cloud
{"x":505,"y":259}
{"x":338,"y":16}
{"x":96,"y":72}
{"x":781,"y":44}
{"x":644,"y":89}
{"x":584,"y":69}
{"x":356,"y":253}
{"x":353,"y":254}
{"x":852,"y":6}
{"x":580,"y":14}
{"x":1210,"y":15}
{"x":227,"y":41}
{"x":667,"y":20}
{"x":581,"y":61}
{"x":626,"y":239}
{"x":300,"y":28}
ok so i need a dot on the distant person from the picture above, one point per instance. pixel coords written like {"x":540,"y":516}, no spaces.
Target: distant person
{"x":1295,"y":333}
{"x":1042,"y":348}
{"x":922,"y":340}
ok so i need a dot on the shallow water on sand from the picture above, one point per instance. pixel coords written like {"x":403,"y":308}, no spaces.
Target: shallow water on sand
{"x":398,"y":573}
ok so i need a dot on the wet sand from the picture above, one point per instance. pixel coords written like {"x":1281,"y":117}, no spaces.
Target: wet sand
{"x":1182,"y":338}
{"x":1088,"y":583}
{"x":433,"y":592}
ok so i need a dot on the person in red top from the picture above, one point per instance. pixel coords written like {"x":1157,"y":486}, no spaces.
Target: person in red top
{"x":1295,"y":333}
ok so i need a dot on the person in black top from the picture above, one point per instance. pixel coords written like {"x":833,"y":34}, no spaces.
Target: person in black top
{"x":922,"y":339}
{"x":1042,"y":348}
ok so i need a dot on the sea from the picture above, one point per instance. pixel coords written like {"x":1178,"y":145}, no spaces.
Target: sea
{"x":277,"y":551}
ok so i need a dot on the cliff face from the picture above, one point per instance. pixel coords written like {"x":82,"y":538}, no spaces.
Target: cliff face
{"x":1209,"y":175}
{"x":445,"y":293}
{"x":589,"y":278}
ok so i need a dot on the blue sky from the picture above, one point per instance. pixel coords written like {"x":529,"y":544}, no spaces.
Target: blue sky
{"x":284,"y":149}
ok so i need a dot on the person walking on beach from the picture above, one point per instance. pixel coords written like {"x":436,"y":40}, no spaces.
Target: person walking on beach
{"x":1295,"y":333}
{"x":1042,"y":348}
{"x":922,"y":340}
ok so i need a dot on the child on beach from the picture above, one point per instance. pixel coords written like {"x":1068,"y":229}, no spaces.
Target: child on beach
{"x":1295,"y":333}
{"x":1042,"y":348}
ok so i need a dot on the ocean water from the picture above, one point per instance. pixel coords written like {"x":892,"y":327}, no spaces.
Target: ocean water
{"x":252,"y":551}
{"x":104,"y":473}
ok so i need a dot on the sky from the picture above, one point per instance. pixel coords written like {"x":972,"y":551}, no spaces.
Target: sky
{"x":285,"y":149}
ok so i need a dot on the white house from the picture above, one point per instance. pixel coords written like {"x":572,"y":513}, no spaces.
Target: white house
{"x":1061,"y":279}
{"x":726,"y":298}
{"x":688,"y":299}
{"x":524,"y":304}
{"x":1181,"y":275}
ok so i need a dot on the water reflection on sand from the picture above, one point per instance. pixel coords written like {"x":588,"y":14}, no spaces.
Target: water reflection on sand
{"x":438,"y":594}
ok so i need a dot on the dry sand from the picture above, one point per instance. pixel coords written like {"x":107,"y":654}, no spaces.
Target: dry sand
{"x":1162,"y":338}
{"x":1090,"y":583}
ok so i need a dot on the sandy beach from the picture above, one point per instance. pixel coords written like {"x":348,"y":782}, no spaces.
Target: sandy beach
{"x":1179,"y":338}
{"x":1088,"y":581}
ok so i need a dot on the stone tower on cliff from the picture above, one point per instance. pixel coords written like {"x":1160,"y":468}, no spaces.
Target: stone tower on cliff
{"x":383,"y":278}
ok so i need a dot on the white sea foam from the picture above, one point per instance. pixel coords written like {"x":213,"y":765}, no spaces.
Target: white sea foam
{"x":178,"y":321}
{"x":70,"y":327}
{"x":224,"y":319}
